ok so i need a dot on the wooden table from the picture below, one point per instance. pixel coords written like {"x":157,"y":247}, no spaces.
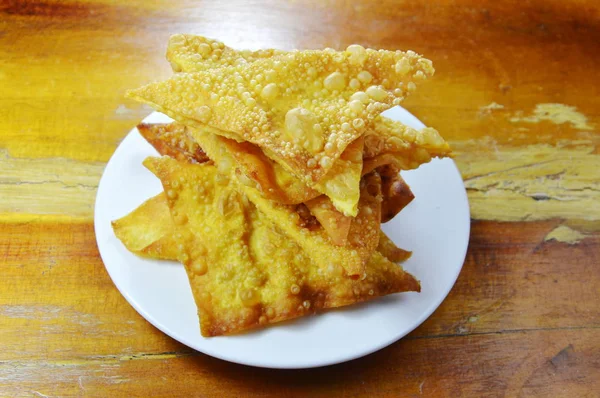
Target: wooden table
{"x":516,"y":92}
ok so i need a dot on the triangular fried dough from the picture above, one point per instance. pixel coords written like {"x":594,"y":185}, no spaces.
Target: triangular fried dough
{"x":251,"y":164}
{"x":172,"y":140}
{"x":395,"y":192}
{"x":340,"y":185}
{"x":336,"y":225}
{"x":190,"y":53}
{"x":148,"y":230}
{"x":274,"y":182}
{"x":351,"y":256}
{"x":410,"y":147}
{"x":389,"y":249}
{"x":362,"y":237}
{"x":244,"y":272}
{"x":302,"y":108}
{"x":185,"y":51}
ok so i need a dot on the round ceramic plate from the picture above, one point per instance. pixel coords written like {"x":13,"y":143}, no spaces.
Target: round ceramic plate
{"x":435,"y":226}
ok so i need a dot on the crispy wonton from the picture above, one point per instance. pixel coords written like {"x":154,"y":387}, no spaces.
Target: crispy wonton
{"x":302,"y":108}
{"x":173,"y":140}
{"x":243,"y":270}
{"x":148,"y":230}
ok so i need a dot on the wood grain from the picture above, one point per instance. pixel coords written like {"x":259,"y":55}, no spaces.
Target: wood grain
{"x":515,"y":92}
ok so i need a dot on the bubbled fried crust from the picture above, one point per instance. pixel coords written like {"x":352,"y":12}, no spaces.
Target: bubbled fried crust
{"x":301,"y":108}
{"x":189,"y":53}
{"x":173,"y":140}
{"x":336,"y":225}
{"x":246,"y":273}
{"x":251,"y":167}
{"x":362,"y":236}
{"x":410,"y":147}
{"x":341,"y":183}
{"x":148,"y":231}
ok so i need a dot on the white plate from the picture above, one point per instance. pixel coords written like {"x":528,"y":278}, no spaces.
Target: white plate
{"x":435,"y":226}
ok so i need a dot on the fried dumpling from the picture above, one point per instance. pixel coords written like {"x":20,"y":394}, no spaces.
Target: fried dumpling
{"x":243,"y":270}
{"x":148,"y":230}
{"x":302,"y":108}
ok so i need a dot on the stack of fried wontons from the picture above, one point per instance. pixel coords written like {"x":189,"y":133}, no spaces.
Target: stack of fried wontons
{"x":277,"y":175}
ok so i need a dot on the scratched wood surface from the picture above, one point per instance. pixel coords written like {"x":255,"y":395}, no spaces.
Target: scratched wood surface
{"x":516,"y":93}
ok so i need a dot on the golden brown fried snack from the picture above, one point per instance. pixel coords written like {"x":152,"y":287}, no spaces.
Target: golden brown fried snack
{"x":244,"y":272}
{"x":340,"y":184}
{"x":273,"y":181}
{"x":191,"y":53}
{"x":229,"y":154}
{"x":148,"y":230}
{"x":335,"y":224}
{"x":185,"y":54}
{"x":395,"y":192}
{"x":302,"y":108}
{"x":173,"y":140}
{"x":392,"y":252}
{"x":352,"y":256}
{"x":363,"y":234}
{"x":277,"y":184}
{"x":253,"y":169}
{"x":411,"y":147}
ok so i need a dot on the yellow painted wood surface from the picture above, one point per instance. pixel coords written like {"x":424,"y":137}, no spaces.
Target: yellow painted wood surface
{"x":516,"y":93}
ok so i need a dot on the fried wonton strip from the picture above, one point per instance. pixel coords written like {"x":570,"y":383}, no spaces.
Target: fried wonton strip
{"x":226,"y":154}
{"x":411,"y":147}
{"x":251,"y":167}
{"x":173,"y":140}
{"x":395,"y":192}
{"x":274,"y":181}
{"x":247,"y":273}
{"x":292,"y":105}
{"x":362,"y":237}
{"x":190,"y":53}
{"x":336,"y":225}
{"x":341,"y":184}
{"x":148,"y":230}
{"x":389,"y":249}
{"x":212,"y":232}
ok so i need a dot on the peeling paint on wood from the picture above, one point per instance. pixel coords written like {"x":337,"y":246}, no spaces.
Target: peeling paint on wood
{"x":557,"y":114}
{"x":564,"y":234}
{"x":536,"y":182}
